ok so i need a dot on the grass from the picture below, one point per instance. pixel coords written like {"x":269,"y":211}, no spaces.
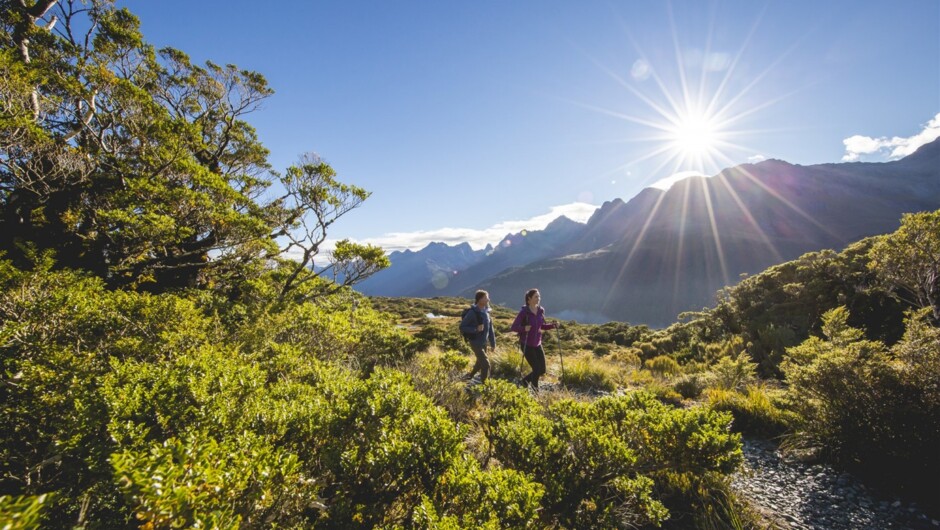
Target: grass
{"x":753,"y":409}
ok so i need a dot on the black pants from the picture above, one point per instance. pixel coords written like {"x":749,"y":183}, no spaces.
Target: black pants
{"x":535,"y":356}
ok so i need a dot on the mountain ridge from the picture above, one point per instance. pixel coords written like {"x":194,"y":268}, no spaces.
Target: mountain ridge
{"x":663,"y":252}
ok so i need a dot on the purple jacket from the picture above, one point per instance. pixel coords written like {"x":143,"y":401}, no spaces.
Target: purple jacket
{"x":537,"y":321}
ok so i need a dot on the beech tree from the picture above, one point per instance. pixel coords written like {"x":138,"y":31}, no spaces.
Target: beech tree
{"x":909,"y":260}
{"x":136,"y":164}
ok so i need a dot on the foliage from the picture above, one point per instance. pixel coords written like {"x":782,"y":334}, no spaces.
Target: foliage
{"x":198,"y":482}
{"x":782,"y":306}
{"x":691,"y":386}
{"x":909,"y":260}
{"x":734,"y":373}
{"x":21,"y":513}
{"x":868,"y":407}
{"x":138,"y":166}
{"x":600,"y":461}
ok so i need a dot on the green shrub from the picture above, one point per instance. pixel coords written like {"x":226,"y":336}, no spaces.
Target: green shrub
{"x":21,"y":512}
{"x":663,"y":365}
{"x":691,"y":386}
{"x":647,"y":349}
{"x":199,"y":482}
{"x":437,"y":375}
{"x":734,"y":373}
{"x":629,"y":357}
{"x":873,"y":409}
{"x":606,"y":455}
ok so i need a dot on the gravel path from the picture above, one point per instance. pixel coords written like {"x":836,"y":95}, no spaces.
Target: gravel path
{"x":801,"y":496}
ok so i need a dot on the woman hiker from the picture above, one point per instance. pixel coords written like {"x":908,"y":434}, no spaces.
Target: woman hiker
{"x":477,"y":327}
{"x":529,"y":324}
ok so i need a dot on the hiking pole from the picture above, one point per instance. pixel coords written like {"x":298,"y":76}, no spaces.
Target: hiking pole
{"x":521,"y":357}
{"x":560,"y":356}
{"x":523,"y":337}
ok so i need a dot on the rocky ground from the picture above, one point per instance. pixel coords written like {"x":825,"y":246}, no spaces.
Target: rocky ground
{"x":798,"y":496}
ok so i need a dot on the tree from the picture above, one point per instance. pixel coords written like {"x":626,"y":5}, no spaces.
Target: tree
{"x":314,"y":201}
{"x":909,"y":260}
{"x":138,"y":165}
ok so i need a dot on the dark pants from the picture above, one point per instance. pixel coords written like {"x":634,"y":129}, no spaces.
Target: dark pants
{"x":483,"y":363}
{"x":535,"y":356}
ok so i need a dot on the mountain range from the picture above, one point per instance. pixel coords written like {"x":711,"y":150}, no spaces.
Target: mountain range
{"x":664,"y":252}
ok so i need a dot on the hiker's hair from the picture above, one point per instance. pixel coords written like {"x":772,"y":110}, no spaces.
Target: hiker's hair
{"x":480,"y":294}
{"x":529,"y":294}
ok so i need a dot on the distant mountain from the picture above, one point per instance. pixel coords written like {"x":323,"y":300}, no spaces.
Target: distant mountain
{"x":441,"y":270}
{"x":420,"y":273}
{"x":662,"y":253}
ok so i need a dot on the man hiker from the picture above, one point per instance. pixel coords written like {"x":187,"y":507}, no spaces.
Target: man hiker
{"x":477,"y":327}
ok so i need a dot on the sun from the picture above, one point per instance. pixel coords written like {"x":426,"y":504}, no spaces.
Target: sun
{"x":694,"y":135}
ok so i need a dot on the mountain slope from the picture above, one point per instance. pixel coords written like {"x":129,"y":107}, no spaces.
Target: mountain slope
{"x":670,"y":252}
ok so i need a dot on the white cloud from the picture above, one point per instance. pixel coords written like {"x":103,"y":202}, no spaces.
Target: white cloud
{"x":756,"y":158}
{"x":890,"y":148}
{"x":577,"y":211}
{"x":666,"y":183}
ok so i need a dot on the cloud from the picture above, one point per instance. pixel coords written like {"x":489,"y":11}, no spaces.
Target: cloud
{"x":756,"y":158}
{"x":478,"y":239}
{"x":890,"y":148}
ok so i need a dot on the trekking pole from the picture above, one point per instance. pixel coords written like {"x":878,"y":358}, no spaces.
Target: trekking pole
{"x":522,"y":340}
{"x":560,"y":356}
{"x":521,"y":357}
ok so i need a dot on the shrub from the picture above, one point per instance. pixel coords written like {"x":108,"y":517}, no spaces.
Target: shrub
{"x":436,"y":374}
{"x":691,"y":386}
{"x":629,"y":357}
{"x":734,"y":373}
{"x":199,"y":482}
{"x":869,"y":408}
{"x":606,"y":455}
{"x":21,"y":512}
{"x":647,"y":349}
{"x":663,"y":365}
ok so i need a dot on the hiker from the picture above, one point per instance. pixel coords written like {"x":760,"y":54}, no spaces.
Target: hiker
{"x":529,"y":324}
{"x":477,"y":328}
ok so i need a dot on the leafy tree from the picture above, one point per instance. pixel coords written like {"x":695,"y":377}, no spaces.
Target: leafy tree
{"x":909,"y":260}
{"x":138,"y":165}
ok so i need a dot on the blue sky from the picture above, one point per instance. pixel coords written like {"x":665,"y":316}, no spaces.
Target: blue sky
{"x":468,"y":120}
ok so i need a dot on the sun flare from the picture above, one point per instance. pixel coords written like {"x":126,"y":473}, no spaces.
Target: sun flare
{"x":694,"y":135}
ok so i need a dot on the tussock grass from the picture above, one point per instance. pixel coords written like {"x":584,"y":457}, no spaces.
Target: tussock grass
{"x":587,"y":373}
{"x":754,"y":410}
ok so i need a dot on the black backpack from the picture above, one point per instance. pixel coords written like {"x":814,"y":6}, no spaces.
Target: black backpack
{"x":469,"y":336}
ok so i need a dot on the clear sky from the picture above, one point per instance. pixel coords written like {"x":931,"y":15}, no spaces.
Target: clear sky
{"x":467,"y":120}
